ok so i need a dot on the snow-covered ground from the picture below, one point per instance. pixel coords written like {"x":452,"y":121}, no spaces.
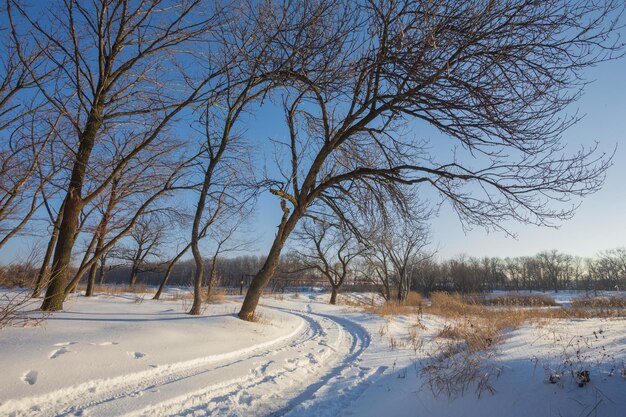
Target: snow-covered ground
{"x":114,"y":355}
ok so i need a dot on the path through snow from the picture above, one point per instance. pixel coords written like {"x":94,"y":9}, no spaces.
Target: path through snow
{"x":109,"y":356}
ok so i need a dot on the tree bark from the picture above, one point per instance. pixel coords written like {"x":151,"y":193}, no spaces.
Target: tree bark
{"x":42,"y":275}
{"x":265,"y":274}
{"x":133,"y":276}
{"x":168,"y":273}
{"x":211,"y":279}
{"x":103,"y":261}
{"x":91,"y":282}
{"x":55,"y":293}
{"x":333,"y":295}
{"x":72,"y":206}
{"x":197,"y":284}
{"x":195,"y":238}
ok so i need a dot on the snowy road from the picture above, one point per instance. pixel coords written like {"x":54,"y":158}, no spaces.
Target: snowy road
{"x":314,"y":370}
{"x":113,"y":356}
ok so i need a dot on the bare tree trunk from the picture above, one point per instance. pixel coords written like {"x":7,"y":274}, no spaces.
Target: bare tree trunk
{"x":103,"y":261}
{"x":55,"y":293}
{"x":197,"y":284}
{"x":211,"y":279}
{"x":133,"y":275}
{"x":72,"y":206}
{"x":333,"y":295}
{"x":91,"y":282}
{"x":168,"y":273}
{"x":195,"y":238}
{"x":42,"y":275}
{"x":263,"y":277}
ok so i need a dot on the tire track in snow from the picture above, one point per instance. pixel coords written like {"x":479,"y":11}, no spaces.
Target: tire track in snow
{"x":323,"y":381}
{"x":75,"y":400}
{"x":312,"y":371}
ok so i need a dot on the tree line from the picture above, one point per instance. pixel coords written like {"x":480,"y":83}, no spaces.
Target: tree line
{"x":123,"y":125}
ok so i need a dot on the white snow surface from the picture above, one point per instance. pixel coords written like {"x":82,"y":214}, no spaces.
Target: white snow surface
{"x":113,"y":356}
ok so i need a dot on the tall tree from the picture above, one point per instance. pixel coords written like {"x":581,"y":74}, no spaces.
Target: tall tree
{"x":493,"y":77}
{"x":114,"y":65}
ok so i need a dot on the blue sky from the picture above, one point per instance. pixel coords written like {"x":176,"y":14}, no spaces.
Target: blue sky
{"x":599,"y":223}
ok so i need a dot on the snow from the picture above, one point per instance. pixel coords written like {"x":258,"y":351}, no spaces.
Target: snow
{"x":128,"y":356}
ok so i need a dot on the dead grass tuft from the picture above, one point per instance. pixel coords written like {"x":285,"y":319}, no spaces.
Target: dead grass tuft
{"x":413,"y":304}
{"x":414,"y":299}
{"x":121,"y":290}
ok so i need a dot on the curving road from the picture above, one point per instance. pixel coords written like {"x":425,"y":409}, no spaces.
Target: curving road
{"x":316,"y":370}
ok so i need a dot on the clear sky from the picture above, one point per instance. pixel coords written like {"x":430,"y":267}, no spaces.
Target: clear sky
{"x":599,"y":223}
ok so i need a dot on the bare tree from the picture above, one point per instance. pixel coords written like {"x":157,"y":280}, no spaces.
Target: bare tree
{"x":146,"y":237}
{"x":329,"y":250}
{"x":395,"y":247}
{"x":157,"y":187}
{"x":494,"y":77}
{"x":553,"y":267}
{"x":22,"y":138}
{"x":115,"y":66}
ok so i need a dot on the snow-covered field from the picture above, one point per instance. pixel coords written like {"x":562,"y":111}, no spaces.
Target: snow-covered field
{"x":112,"y":355}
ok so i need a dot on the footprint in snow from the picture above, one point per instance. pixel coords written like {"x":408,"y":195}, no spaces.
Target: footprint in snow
{"x":30,"y":377}
{"x":59,"y":352}
{"x":137,"y":355}
{"x":104,"y":344}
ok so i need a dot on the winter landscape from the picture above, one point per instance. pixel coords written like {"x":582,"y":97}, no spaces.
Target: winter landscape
{"x":312,"y":208}
{"x":112,"y":355}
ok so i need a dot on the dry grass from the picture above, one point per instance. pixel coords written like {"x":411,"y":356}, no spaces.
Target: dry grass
{"x":217,"y":295}
{"x":514,"y":300}
{"x":600,"y":302}
{"x":466,"y":357}
{"x":120,"y":289}
{"x":414,"y":299}
{"x":463,"y":360}
{"x":453,"y":305}
{"x":413,"y":304}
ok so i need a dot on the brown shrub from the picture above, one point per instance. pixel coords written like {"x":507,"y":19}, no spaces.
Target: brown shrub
{"x":515,"y":300}
{"x":17,"y":276}
{"x":414,"y":299}
{"x":600,"y":302}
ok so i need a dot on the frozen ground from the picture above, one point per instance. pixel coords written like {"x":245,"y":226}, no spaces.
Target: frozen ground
{"x":112,"y":356}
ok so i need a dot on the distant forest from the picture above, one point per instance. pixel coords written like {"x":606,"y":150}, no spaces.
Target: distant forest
{"x":550,"y":270}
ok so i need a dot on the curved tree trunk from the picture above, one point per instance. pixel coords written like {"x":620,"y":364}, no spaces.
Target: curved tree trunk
{"x":168,"y":273}
{"x":196,"y":308}
{"x":195,"y":238}
{"x":211,"y":279}
{"x":91,"y":282}
{"x":263,"y":277}
{"x":55,"y":293}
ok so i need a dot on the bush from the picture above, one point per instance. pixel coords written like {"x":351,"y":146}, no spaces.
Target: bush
{"x":600,"y":302}
{"x":17,"y":276}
